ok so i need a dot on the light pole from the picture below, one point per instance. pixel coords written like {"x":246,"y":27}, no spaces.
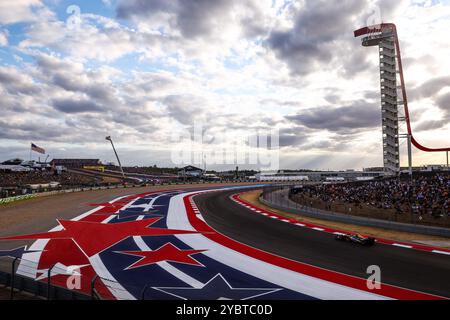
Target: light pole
{"x":118,"y":160}
{"x":447,"y":159}
{"x":409,"y":157}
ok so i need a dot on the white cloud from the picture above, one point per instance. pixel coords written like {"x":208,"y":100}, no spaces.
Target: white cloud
{"x":3,"y":38}
{"x":18,"y":11}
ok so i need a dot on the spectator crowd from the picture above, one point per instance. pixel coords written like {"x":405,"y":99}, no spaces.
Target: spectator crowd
{"x":425,"y":195}
{"x":14,"y":179}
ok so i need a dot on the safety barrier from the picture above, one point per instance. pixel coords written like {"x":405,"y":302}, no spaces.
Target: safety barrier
{"x":80,"y":189}
{"x":95,"y":288}
{"x":16,"y":198}
{"x":44,"y":288}
{"x":61,"y":191}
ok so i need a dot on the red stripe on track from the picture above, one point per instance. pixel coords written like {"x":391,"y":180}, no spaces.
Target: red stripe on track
{"x":313,"y":271}
{"x":421,"y":247}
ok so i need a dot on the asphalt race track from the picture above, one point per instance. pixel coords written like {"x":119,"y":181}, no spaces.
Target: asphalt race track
{"x":199,"y":244}
{"x":416,"y":270}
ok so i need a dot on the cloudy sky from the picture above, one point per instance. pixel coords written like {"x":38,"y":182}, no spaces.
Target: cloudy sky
{"x":72,"y":72}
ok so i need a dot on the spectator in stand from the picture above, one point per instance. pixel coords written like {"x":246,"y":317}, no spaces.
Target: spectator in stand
{"x":14,"y":179}
{"x":426,"y":195}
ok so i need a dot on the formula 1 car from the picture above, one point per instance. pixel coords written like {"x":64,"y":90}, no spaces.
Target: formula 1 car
{"x":356,"y":238}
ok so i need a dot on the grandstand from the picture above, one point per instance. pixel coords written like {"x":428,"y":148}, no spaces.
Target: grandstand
{"x":109,"y":175}
{"x":423,"y":198}
{"x":13,"y":162}
{"x":190,"y":172}
{"x":14,"y":183}
{"x":318,"y":176}
{"x":75,"y":163}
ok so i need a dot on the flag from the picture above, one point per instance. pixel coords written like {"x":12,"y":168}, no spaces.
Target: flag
{"x":108,"y":138}
{"x":37,"y":149}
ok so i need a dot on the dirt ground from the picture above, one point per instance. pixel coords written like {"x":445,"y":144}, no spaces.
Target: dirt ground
{"x":110,"y":180}
{"x":40,"y":214}
{"x":253,"y":198}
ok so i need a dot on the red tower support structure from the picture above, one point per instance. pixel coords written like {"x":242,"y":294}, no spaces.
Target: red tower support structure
{"x":373,"y":36}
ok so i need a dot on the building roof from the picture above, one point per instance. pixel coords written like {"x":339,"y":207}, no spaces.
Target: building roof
{"x":191,"y":168}
{"x":14,"y":161}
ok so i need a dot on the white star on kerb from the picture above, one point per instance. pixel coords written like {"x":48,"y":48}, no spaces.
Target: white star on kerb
{"x":146,"y":206}
{"x":216,"y":288}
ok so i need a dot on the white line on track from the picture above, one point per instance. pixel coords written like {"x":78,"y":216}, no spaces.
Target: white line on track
{"x":108,"y":219}
{"x":441,"y":252}
{"x":402,"y":245}
{"x":201,"y":217}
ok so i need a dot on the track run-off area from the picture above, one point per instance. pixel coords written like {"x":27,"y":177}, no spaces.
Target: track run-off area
{"x":203,"y":244}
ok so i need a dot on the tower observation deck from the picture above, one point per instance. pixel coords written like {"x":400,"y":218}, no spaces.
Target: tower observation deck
{"x":385,"y":37}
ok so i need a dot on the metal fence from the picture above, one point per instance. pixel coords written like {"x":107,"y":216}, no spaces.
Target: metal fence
{"x":281,"y":197}
{"x":59,"y":282}
{"x":23,"y":276}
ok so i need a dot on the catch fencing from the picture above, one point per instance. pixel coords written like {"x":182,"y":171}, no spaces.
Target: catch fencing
{"x":60,"y":282}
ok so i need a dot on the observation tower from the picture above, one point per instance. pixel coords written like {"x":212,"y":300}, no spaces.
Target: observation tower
{"x":393,"y":95}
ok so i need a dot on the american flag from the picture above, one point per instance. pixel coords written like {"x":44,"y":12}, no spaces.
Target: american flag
{"x":37,"y":149}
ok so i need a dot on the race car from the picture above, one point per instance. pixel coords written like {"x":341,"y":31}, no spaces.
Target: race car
{"x":356,"y":238}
